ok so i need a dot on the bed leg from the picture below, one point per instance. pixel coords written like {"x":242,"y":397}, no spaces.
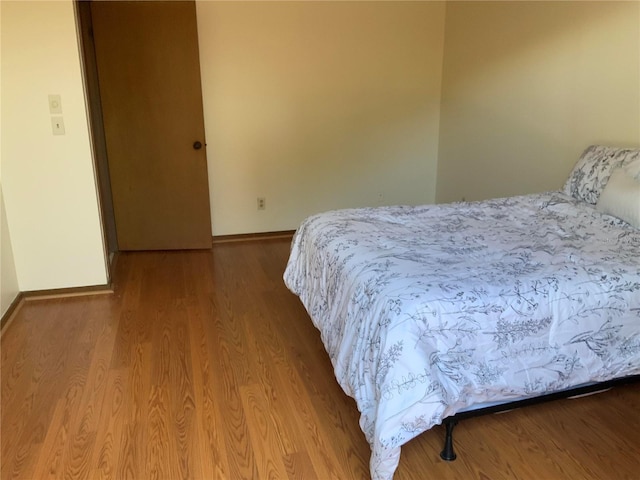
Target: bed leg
{"x":447,"y":452}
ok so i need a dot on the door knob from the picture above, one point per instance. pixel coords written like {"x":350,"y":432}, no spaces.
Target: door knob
{"x":197,"y":145}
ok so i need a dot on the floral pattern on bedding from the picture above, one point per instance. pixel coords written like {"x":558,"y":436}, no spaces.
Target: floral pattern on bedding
{"x":593,"y":169}
{"x":428,"y":310}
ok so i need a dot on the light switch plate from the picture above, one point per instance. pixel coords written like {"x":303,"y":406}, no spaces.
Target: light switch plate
{"x":55,"y":104}
{"x":57,"y":125}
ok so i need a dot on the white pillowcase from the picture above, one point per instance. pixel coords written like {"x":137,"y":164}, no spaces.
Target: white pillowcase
{"x":621,"y":197}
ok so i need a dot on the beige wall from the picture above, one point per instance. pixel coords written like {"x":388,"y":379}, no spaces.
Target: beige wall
{"x":527,"y":86}
{"x":325,"y":105}
{"x":318,"y":105}
{"x":48,"y":181}
{"x":8,"y":278}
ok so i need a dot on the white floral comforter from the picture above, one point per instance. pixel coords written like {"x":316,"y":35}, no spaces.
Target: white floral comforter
{"x":428,"y":310}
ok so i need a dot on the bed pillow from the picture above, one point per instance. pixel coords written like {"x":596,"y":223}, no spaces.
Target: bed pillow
{"x":621,"y":197}
{"x":592,"y":170}
{"x":633,"y":169}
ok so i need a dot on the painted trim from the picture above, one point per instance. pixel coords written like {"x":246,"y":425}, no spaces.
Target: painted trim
{"x":9,"y":315}
{"x":250,"y":237}
{"x":68,"y":292}
{"x":34,"y":295}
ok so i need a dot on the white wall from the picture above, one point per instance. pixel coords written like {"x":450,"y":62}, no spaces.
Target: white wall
{"x":48,"y":181}
{"x":527,"y":86}
{"x":318,"y":105}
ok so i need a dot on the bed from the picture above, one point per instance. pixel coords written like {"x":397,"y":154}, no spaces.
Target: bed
{"x":428,"y":312}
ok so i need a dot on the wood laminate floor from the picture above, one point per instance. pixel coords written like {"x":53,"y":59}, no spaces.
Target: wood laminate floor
{"x":202,"y":365}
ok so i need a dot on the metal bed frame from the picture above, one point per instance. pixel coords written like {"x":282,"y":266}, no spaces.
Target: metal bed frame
{"x":449,"y":454}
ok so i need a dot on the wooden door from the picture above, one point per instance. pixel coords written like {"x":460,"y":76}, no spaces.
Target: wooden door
{"x":149,"y":74}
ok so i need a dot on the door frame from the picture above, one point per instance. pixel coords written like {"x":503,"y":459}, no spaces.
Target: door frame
{"x":93,"y":105}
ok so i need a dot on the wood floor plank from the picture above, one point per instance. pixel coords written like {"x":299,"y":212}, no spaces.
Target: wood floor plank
{"x":104,"y":459}
{"x":263,"y":434}
{"x":316,"y":440}
{"x":211,"y":443}
{"x":262,"y":362}
{"x":158,"y":452}
{"x":300,"y":467}
{"x":59,"y":373}
{"x":202,"y":365}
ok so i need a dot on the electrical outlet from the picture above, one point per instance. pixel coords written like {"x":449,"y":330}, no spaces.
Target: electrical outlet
{"x":262,"y":203}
